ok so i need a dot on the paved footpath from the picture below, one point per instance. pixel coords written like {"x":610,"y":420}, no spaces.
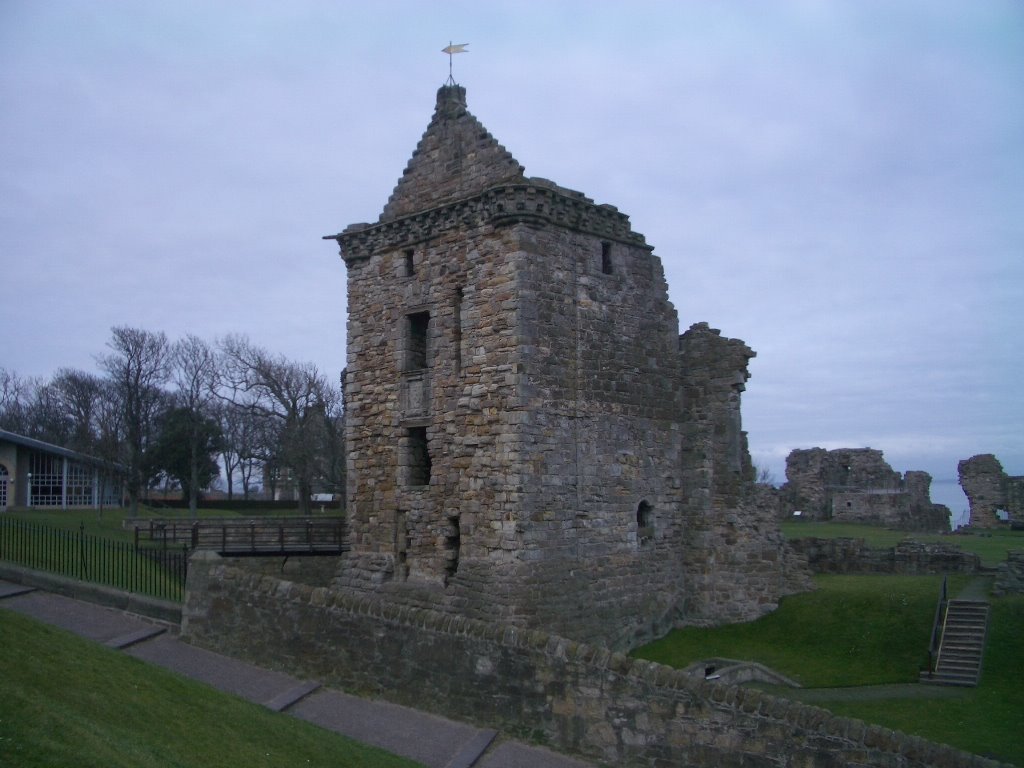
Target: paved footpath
{"x":428,"y":739}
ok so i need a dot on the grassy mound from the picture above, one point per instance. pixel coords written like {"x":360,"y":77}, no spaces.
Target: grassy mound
{"x":67,"y":701}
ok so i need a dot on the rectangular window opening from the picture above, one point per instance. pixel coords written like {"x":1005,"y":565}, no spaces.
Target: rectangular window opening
{"x":419,"y":456}
{"x":410,"y":265}
{"x":417,"y":340}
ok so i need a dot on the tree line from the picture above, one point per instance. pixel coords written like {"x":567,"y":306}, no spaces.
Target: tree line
{"x":174,"y":412}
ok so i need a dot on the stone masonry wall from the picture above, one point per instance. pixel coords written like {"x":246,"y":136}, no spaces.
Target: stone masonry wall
{"x":858,"y":485}
{"x":527,"y":440}
{"x":739,"y":564}
{"x":1010,"y":575}
{"x":847,"y":555}
{"x":571,"y":696}
{"x":989,"y":489}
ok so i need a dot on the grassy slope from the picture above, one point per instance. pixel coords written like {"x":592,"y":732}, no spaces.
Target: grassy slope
{"x":869,"y":630}
{"x":853,"y":630}
{"x":66,"y":701}
{"x":986,"y":720}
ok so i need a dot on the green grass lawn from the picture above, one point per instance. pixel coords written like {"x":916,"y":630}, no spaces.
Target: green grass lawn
{"x":986,"y":720}
{"x":67,"y":701}
{"x":874,"y":630}
{"x":852,"y":630}
{"x":991,"y":546}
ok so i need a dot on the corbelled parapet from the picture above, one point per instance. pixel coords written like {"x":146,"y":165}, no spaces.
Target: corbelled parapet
{"x":536,"y":202}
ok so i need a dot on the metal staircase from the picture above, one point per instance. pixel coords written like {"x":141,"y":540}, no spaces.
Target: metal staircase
{"x":962,"y":645}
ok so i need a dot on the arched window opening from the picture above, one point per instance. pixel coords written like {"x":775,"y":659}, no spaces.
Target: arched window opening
{"x":644,"y":522}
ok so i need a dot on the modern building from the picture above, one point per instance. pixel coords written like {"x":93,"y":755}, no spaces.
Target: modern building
{"x":38,"y":474}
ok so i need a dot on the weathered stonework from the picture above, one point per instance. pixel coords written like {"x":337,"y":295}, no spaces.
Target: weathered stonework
{"x":529,"y":439}
{"x":912,"y":558}
{"x":1010,"y":575}
{"x":990,"y":490}
{"x":575,"y":697}
{"x":857,"y":485}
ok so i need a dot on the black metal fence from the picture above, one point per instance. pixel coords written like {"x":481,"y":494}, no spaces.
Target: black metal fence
{"x":158,"y":571}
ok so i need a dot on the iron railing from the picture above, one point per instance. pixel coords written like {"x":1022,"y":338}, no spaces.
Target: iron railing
{"x":940,"y":617}
{"x":156,"y":571}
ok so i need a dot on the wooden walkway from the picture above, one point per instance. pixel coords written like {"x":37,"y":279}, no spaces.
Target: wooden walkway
{"x":246,"y":536}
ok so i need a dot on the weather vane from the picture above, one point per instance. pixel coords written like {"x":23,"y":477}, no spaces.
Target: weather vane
{"x":451,"y":50}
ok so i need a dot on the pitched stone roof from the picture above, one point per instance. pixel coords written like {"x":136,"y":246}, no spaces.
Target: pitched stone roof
{"x":456,"y":158}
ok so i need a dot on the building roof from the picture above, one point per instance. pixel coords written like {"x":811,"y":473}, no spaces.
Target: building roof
{"x":456,"y":158}
{"x":39,"y":445}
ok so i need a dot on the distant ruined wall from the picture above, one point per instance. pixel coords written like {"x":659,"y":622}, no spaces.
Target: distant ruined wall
{"x":858,"y":485}
{"x":911,"y":558}
{"x":571,"y":696}
{"x":989,"y":489}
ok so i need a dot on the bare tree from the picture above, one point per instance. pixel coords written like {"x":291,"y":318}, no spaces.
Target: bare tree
{"x":294,"y":399}
{"x":195,"y":370}
{"x":78,"y":395}
{"x":15,"y":393}
{"x":138,"y":369}
{"x":240,"y":448}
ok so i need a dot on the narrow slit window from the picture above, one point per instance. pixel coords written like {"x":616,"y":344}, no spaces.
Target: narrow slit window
{"x":606,"y":258}
{"x":410,"y":264}
{"x":457,"y":321}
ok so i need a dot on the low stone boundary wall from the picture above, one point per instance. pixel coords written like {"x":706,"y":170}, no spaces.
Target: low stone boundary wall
{"x":573,"y":697}
{"x":1010,"y":575}
{"x":847,"y":555}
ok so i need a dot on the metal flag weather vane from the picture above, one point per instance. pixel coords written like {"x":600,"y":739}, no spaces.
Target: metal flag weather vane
{"x":451,"y":50}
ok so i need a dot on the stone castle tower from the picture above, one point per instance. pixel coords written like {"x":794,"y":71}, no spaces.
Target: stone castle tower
{"x":529,"y":438}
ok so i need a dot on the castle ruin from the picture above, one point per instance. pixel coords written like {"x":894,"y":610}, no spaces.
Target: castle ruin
{"x":529,"y":438}
{"x":857,"y":485}
{"x":990,"y":491}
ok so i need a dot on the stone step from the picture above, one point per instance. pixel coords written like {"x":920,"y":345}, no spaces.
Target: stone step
{"x":962,"y":646}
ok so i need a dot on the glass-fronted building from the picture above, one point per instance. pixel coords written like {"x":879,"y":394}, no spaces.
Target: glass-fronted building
{"x":38,"y":474}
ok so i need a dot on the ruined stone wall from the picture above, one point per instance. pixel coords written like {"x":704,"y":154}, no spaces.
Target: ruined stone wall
{"x":858,"y":485}
{"x":989,"y":489}
{"x":812,"y":475}
{"x":847,"y":555}
{"x":547,"y":391}
{"x":1010,"y":575}
{"x":574,"y":697}
{"x":738,"y":562}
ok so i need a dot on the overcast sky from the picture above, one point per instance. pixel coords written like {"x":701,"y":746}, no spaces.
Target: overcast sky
{"x":840,"y":184}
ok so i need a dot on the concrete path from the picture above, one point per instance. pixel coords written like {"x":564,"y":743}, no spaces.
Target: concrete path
{"x":433,"y":741}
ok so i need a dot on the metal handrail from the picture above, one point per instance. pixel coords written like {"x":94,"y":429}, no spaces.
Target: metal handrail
{"x":936,"y":639}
